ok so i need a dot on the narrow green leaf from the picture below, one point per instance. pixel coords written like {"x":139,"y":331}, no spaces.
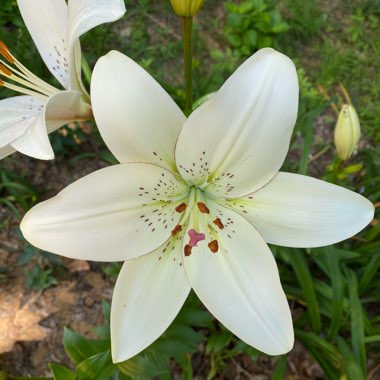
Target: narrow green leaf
{"x":372,"y":339}
{"x":96,"y":367}
{"x":281,"y":368}
{"x":61,"y":373}
{"x":218,"y":340}
{"x":5,"y":376}
{"x":370,"y":270}
{"x":352,"y":369}
{"x":304,"y":277}
{"x":307,"y":145}
{"x":147,"y":365}
{"x":357,"y":323}
{"x":325,"y":353}
{"x":86,"y":70}
{"x":327,"y":349}
{"x":194,"y":316}
{"x":330,"y":371}
{"x":78,"y":348}
{"x":338,"y":288}
{"x":326,"y":291}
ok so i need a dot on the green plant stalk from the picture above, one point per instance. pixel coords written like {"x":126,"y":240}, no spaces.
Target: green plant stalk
{"x":86,"y":70}
{"x":187,"y":33}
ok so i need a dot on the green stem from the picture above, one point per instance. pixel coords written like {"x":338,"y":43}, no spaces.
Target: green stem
{"x":336,"y":170}
{"x":86,"y":69}
{"x":187,"y":31}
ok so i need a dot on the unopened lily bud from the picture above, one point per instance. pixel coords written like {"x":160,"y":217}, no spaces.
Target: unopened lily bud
{"x":187,"y":8}
{"x":347,"y":132}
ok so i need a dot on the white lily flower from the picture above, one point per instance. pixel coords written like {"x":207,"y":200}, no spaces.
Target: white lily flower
{"x":55,"y":27}
{"x":194,"y":202}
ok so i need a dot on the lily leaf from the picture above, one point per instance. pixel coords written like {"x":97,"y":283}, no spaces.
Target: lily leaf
{"x":96,"y":367}
{"x":61,"y":373}
{"x":78,"y":348}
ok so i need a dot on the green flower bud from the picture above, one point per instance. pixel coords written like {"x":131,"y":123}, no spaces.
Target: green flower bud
{"x":187,"y":8}
{"x":347,"y":132}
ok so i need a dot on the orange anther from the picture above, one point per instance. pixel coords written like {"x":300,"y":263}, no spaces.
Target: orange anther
{"x":4,"y":51}
{"x":203,"y":208}
{"x":1,"y":83}
{"x":177,"y":228}
{"x":5,"y":70}
{"x":181,"y":207}
{"x":218,"y":223}
{"x":214,"y":246}
{"x":187,"y":250}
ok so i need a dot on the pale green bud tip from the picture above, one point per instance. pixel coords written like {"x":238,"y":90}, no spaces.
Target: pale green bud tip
{"x":347,"y":132}
{"x":187,"y":8}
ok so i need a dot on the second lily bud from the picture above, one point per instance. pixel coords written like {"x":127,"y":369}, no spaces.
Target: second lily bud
{"x":347,"y":132}
{"x":187,"y":8}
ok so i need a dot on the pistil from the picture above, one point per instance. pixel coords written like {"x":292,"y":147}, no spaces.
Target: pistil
{"x":195,"y":237}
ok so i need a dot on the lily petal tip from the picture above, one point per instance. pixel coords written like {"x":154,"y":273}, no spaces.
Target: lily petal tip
{"x":121,"y":354}
{"x":283,"y":345}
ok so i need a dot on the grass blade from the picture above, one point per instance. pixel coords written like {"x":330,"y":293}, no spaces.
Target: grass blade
{"x":304,"y":277}
{"x":357,"y":323}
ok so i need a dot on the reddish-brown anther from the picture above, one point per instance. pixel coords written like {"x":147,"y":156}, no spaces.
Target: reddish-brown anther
{"x":218,"y":223}
{"x":181,"y":207}
{"x":177,"y":228}
{"x":203,"y":208}
{"x":4,"y":51}
{"x":5,"y":70}
{"x":187,"y":250}
{"x":214,"y":246}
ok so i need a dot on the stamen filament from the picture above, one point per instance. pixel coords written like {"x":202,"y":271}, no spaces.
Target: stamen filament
{"x":187,"y":212}
{"x":34,"y":78}
{"x":7,"y":73}
{"x":12,"y":69}
{"x":22,"y":76}
{"x":22,"y":90}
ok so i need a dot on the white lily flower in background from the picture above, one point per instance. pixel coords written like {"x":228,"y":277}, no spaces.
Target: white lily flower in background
{"x":194,"y":203}
{"x":55,"y":27}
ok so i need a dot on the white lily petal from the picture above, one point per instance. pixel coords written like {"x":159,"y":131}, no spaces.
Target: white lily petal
{"x":240,"y":284}
{"x":41,"y":119}
{"x":85,"y":15}
{"x":34,"y":142}
{"x":298,"y":211}
{"x":149,"y":293}
{"x":48,"y":24}
{"x":136,"y":118}
{"x":114,"y":214}
{"x":65,"y":107}
{"x":75,"y":69}
{"x":243,"y":131}
{"x":6,"y":151}
{"x":17,"y":114}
